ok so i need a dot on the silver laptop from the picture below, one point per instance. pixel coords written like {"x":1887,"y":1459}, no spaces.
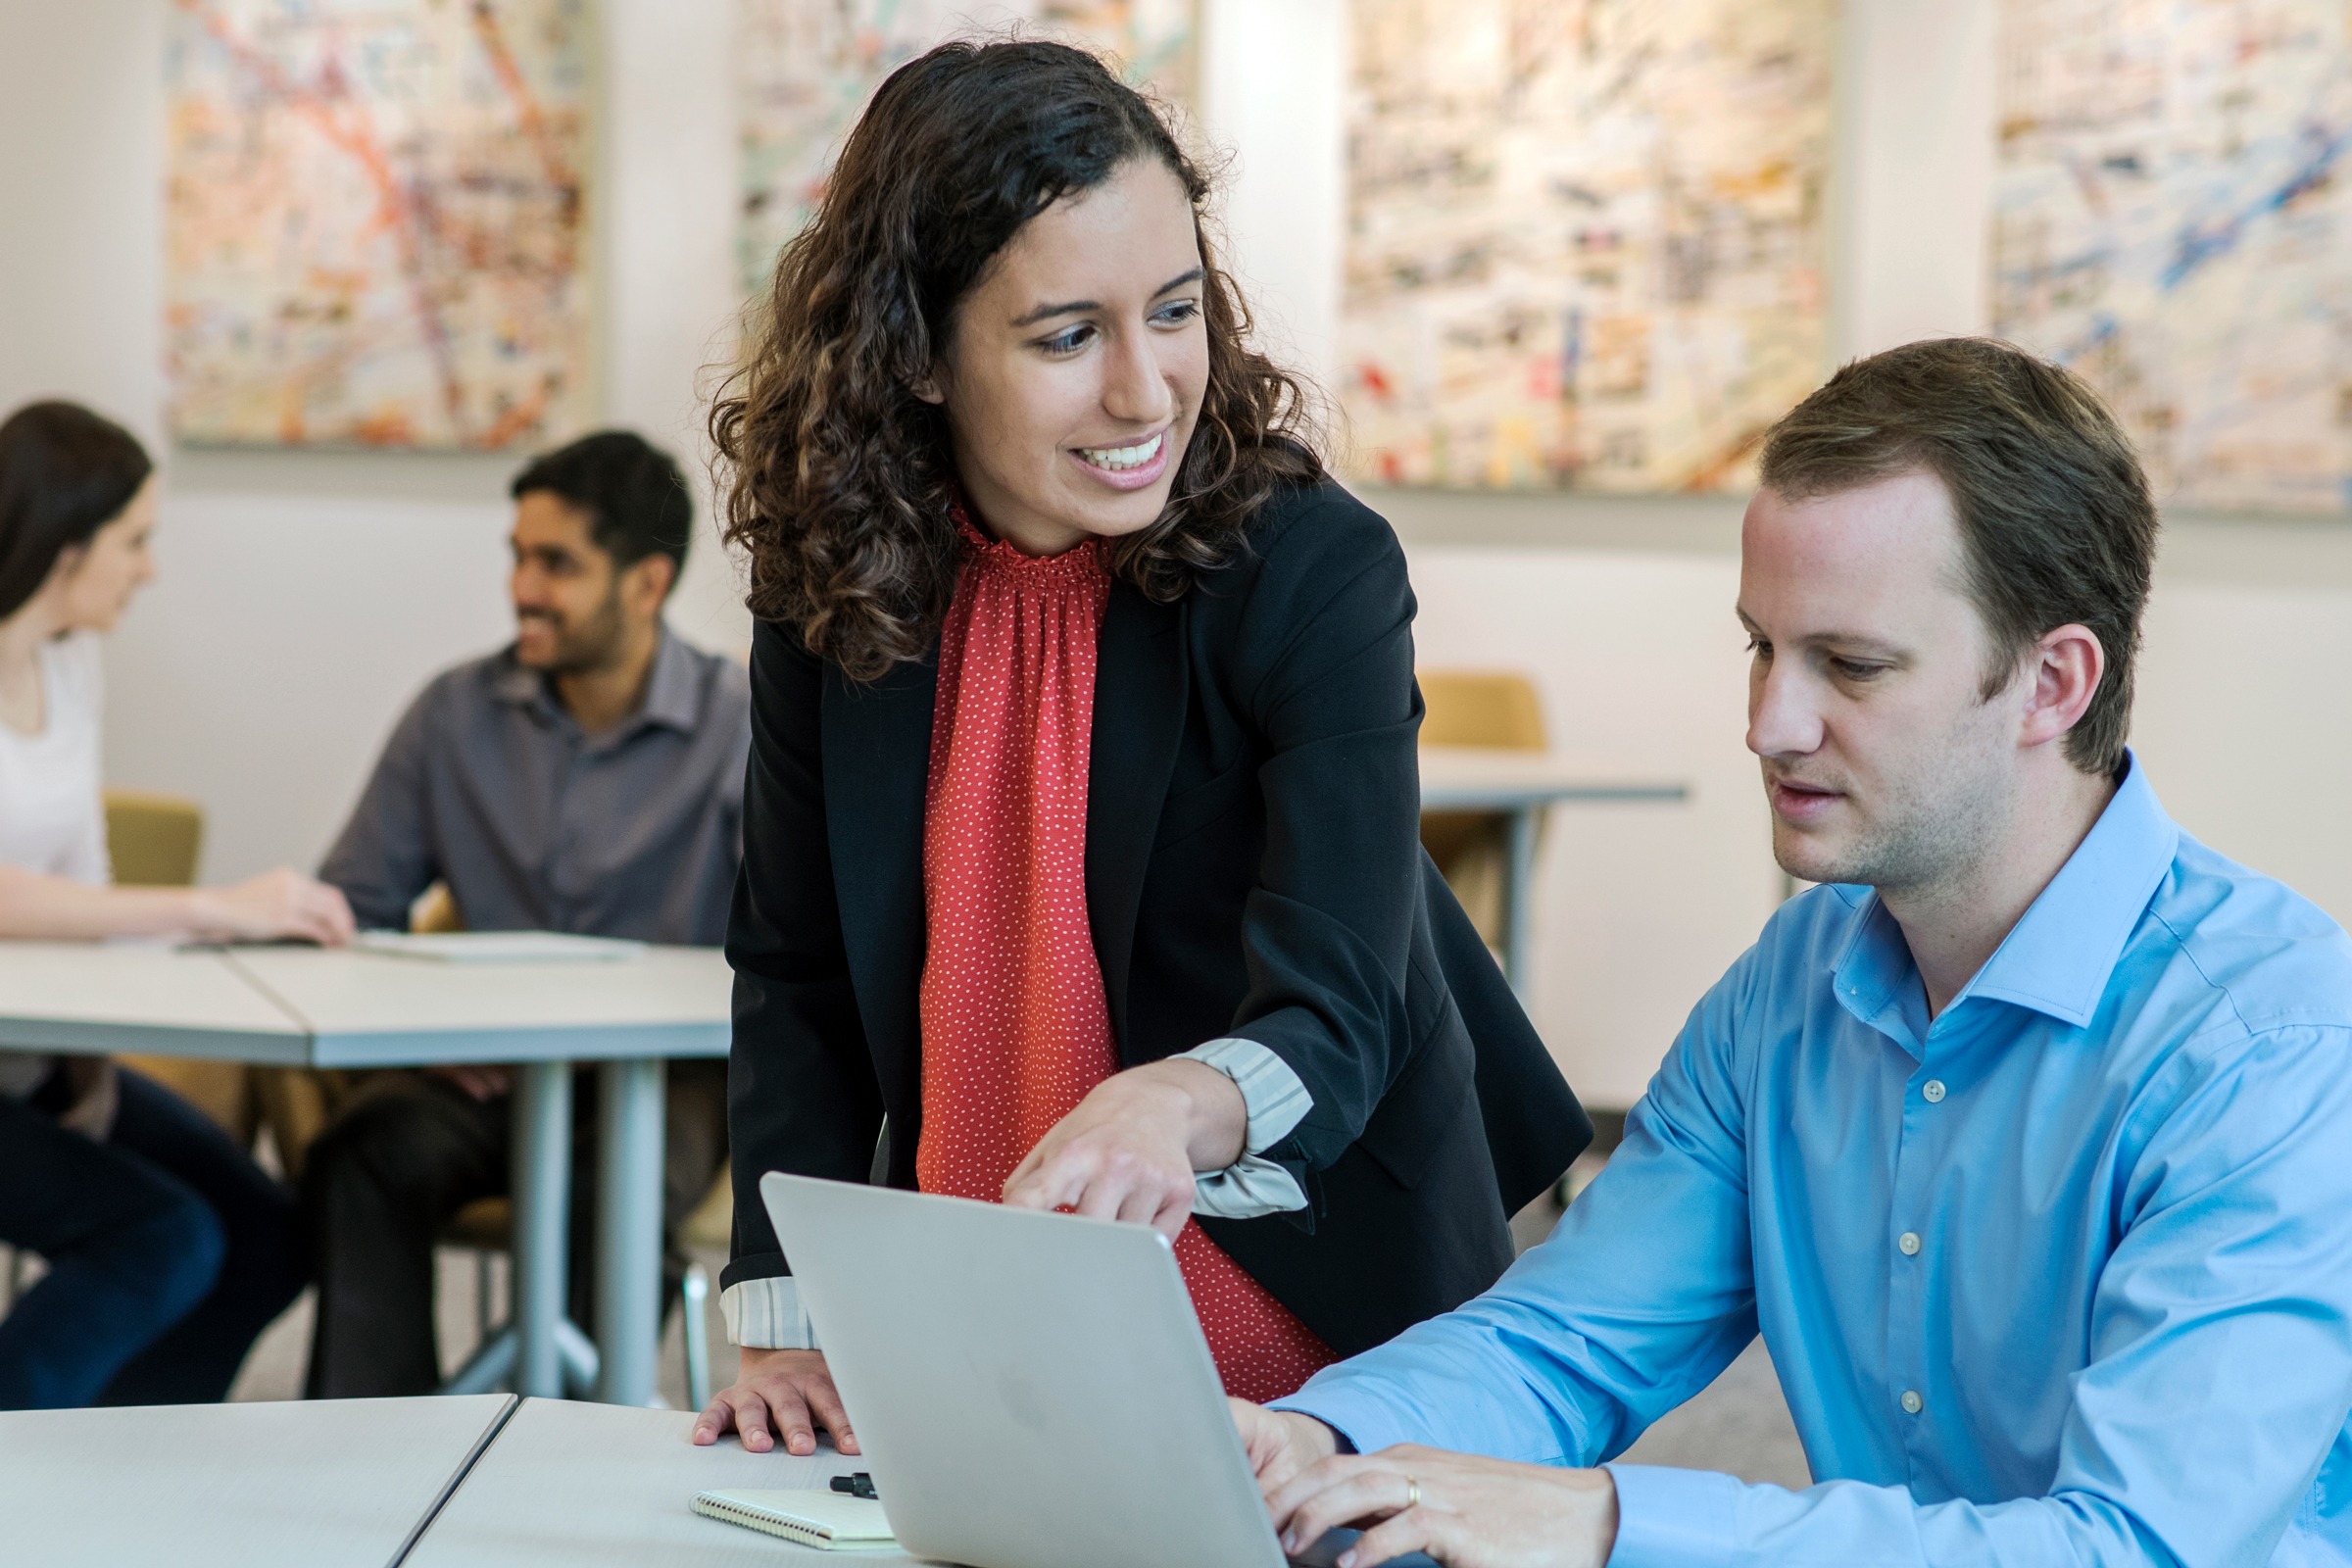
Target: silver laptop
{"x":1032,"y":1390}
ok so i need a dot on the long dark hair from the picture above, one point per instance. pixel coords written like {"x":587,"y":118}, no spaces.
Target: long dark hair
{"x":838,"y":477}
{"x":65,"y":474}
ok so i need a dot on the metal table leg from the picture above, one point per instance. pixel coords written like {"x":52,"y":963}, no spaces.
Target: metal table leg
{"x":542,"y":1189}
{"x":628,"y":1244}
{"x":1518,"y":896}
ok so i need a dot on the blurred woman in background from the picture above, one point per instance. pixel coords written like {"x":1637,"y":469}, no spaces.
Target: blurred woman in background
{"x":168,"y":1250}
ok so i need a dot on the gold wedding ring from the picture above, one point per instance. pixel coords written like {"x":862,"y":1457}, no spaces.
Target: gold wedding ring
{"x":1412,"y":1493}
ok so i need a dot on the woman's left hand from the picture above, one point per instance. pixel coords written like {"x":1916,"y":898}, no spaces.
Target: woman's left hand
{"x":1130,"y":1148}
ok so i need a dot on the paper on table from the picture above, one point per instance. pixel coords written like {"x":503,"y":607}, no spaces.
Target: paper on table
{"x":498,"y":946}
{"x":831,"y":1520}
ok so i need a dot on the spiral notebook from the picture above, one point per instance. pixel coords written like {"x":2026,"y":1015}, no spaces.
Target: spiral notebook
{"x":830,"y":1520}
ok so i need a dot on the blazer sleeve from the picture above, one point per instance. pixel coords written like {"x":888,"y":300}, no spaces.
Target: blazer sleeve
{"x":1323,"y":669}
{"x":801,"y":1095}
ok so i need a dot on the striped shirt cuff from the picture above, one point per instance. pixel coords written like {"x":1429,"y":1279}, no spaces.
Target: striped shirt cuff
{"x":767,"y":1314}
{"x":1275,"y":1101}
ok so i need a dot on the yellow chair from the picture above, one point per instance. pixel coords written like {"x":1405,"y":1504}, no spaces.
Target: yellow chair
{"x":153,"y":842}
{"x":1481,"y":707}
{"x":436,"y":910}
{"x":1492,"y":708}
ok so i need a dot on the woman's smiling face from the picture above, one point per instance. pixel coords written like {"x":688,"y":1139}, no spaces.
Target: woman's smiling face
{"x":1075,"y":369}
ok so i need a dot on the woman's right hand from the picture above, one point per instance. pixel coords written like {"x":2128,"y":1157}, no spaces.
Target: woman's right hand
{"x":276,"y":903}
{"x":779,"y":1394}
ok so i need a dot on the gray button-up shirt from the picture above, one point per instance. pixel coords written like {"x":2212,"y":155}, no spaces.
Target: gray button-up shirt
{"x":489,"y":784}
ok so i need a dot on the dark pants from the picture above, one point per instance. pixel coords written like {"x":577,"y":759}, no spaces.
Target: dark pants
{"x":169,"y":1251}
{"x":382,"y":1181}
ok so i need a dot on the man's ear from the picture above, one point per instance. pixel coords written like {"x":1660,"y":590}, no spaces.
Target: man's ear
{"x":2065,"y":667}
{"x":648,"y":581}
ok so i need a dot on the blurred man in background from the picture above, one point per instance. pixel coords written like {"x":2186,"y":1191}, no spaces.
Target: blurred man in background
{"x":587,"y":778}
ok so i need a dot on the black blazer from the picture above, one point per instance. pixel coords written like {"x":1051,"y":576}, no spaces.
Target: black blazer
{"x":1252,"y":867}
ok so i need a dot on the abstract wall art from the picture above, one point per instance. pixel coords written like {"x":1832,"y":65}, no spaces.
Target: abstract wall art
{"x":376,"y":223}
{"x":1585,"y":238}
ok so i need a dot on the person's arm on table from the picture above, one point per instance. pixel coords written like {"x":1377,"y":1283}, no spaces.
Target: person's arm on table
{"x":801,"y":1093}
{"x":1641,"y":1298}
{"x":2219,"y":1374}
{"x":276,"y":903}
{"x":2231,"y":1291}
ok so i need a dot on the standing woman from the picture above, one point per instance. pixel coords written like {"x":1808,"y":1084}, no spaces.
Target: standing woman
{"x":168,"y":1250}
{"x":1081,"y":828}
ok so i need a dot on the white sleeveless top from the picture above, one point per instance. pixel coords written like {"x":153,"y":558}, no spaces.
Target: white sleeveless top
{"x":52,"y":814}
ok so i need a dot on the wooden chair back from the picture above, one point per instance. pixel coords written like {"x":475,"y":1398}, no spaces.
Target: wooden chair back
{"x":1497,"y":709}
{"x":153,"y":840}
{"x":1481,"y":707}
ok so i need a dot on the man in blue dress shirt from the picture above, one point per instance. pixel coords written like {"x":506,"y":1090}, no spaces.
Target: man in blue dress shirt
{"x":2026,"y":1142}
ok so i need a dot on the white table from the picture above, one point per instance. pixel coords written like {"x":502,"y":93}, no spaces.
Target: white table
{"x":1522,"y":786}
{"x":88,"y":997}
{"x":306,"y":1485}
{"x":591,"y":1484}
{"x":302,"y":1006}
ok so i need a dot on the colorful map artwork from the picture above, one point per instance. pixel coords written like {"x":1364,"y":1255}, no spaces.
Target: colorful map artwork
{"x":376,"y":221}
{"x":805,"y":69}
{"x":2173,"y":219}
{"x":1585,"y":242}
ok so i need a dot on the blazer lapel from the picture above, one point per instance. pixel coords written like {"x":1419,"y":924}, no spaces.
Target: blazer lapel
{"x":877,"y":759}
{"x":1140,"y":693}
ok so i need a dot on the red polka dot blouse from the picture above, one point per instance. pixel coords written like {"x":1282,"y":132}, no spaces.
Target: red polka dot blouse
{"x":1016,"y":1028}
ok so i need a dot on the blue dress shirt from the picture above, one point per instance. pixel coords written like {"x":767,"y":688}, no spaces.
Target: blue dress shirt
{"x":2062,"y":1277}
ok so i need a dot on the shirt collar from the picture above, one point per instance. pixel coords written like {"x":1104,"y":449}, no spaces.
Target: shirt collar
{"x":2059,"y":956}
{"x":671,"y":689}
{"x":2061,"y":953}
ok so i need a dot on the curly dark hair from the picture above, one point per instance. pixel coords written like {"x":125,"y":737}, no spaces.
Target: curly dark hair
{"x":836,"y":477}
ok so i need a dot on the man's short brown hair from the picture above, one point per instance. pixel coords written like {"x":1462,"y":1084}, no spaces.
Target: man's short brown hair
{"x":2056,"y":522}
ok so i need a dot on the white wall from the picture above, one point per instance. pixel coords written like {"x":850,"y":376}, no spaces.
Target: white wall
{"x":305,"y":596}
{"x":1273,"y":99}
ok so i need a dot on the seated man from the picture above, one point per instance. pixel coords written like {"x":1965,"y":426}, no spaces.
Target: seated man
{"x":2026,"y":1143}
{"x":588,"y":778}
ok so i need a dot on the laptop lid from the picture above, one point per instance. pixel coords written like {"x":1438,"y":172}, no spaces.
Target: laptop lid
{"x":1033,"y":1390}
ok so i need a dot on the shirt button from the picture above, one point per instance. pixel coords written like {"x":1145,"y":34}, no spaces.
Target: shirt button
{"x":1931,"y":1091}
{"x":1909,"y":1243}
{"x":1912,"y":1402}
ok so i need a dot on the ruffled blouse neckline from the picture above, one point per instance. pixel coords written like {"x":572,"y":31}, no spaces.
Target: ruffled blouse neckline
{"x":1081,"y":564}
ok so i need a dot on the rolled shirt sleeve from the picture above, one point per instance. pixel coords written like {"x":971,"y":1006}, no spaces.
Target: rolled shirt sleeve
{"x":1277,"y":1101}
{"x":766,"y":1314}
